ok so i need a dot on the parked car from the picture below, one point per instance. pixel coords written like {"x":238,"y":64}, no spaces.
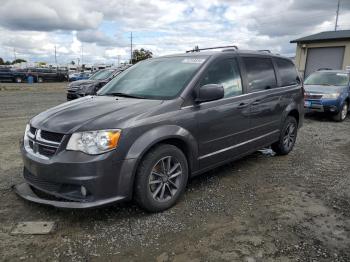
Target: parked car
{"x":90,"y":86}
{"x":328,"y":91}
{"x":157,"y":124}
{"x":11,"y":75}
{"x":41,"y":75}
{"x":79,"y":76}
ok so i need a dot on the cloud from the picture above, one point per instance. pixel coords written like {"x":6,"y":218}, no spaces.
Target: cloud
{"x":102,"y":28}
{"x":40,"y":15}
{"x":96,"y":37}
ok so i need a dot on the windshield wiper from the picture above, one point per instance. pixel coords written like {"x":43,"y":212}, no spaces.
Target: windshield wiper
{"x":124,"y":95}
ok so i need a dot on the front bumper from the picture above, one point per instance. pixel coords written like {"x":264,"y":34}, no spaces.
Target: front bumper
{"x":58,"y":181}
{"x":321,"y":105}
{"x":26,"y":191}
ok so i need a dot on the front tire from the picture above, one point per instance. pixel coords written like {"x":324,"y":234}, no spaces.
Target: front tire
{"x":161,"y":178}
{"x":288,"y":137}
{"x":342,"y":113}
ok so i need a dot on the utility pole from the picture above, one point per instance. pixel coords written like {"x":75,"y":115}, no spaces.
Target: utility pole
{"x":82,"y":52}
{"x":14,"y":53}
{"x":118,"y":60}
{"x":56,"y":57}
{"x":336,"y":18}
{"x":131,"y":55}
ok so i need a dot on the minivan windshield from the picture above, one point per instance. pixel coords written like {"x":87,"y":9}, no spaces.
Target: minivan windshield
{"x":159,"y":78}
{"x":328,"y":79}
{"x":102,"y":74}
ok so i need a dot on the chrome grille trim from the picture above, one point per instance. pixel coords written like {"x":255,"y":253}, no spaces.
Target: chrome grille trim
{"x":34,"y":143}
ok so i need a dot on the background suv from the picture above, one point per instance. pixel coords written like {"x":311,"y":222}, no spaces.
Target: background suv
{"x":159,"y":123}
{"x":328,"y":91}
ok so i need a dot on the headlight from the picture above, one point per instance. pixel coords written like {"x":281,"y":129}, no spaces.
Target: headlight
{"x":94,"y":142}
{"x":330,"y":95}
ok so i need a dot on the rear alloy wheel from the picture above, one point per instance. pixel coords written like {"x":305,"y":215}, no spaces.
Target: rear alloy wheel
{"x":40,"y":80}
{"x":342,"y":113}
{"x":287,"y":138}
{"x":161,"y":178}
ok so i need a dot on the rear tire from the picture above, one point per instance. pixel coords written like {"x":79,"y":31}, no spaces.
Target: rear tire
{"x":340,"y":117}
{"x":161,"y":178}
{"x":288,"y":137}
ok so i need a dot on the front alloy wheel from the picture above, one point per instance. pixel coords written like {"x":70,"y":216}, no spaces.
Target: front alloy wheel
{"x":165,"y":178}
{"x":161,"y":178}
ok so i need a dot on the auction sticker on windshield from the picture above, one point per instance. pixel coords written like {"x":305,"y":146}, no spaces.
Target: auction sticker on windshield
{"x":193,"y":60}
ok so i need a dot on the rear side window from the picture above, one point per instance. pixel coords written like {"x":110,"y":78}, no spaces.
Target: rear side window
{"x":287,"y":72}
{"x":260,"y":73}
{"x":226,"y":73}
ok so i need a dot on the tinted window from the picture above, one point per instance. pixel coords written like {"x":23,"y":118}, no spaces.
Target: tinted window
{"x":225,"y":73}
{"x":260,"y":73}
{"x":287,"y":72}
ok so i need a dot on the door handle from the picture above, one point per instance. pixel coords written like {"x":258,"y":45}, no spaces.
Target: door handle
{"x":256,"y":102}
{"x":242,"y":105}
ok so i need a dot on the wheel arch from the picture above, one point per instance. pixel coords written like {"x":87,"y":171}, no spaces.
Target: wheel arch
{"x":174,"y":135}
{"x":292,"y":110}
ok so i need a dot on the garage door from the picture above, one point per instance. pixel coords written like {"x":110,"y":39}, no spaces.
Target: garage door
{"x":324,"y":57}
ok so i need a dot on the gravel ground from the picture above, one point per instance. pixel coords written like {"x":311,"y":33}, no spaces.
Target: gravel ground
{"x":260,"y":208}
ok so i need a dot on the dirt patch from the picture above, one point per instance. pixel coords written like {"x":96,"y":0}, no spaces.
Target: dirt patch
{"x":260,"y":208}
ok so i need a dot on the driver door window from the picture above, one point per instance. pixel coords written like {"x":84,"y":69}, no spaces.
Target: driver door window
{"x":226,"y":73}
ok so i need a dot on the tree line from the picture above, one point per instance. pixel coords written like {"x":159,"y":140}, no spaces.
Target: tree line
{"x":16,"y":61}
{"x":138,"y":55}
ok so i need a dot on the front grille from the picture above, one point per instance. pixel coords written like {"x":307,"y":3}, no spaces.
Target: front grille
{"x":313,"y":96}
{"x":46,"y":196}
{"x":40,"y":183}
{"x":43,"y":143}
{"x":32,"y":130}
{"x":51,"y":136}
{"x":46,"y":150}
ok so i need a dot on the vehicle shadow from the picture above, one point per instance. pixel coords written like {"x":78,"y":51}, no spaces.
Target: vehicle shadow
{"x":321,"y":117}
{"x":129,"y":210}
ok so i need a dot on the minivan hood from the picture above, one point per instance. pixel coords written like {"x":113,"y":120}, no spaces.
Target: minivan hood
{"x":80,"y":114}
{"x":323,"y":89}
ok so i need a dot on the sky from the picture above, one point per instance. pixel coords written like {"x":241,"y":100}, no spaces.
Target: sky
{"x":98,"y":31}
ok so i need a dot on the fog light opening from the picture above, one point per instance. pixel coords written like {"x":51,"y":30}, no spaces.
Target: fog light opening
{"x":83,"y":191}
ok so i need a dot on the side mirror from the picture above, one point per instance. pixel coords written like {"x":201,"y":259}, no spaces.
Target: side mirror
{"x":209,"y":92}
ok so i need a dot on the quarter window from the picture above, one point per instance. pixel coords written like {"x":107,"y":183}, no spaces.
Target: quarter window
{"x":225,"y":73}
{"x":287,"y":72}
{"x":260,"y":73}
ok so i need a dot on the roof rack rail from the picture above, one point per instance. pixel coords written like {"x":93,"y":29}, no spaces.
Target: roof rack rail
{"x":197,"y":49}
{"x":265,"y":50}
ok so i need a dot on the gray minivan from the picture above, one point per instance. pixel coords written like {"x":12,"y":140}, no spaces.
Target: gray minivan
{"x":157,"y":124}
